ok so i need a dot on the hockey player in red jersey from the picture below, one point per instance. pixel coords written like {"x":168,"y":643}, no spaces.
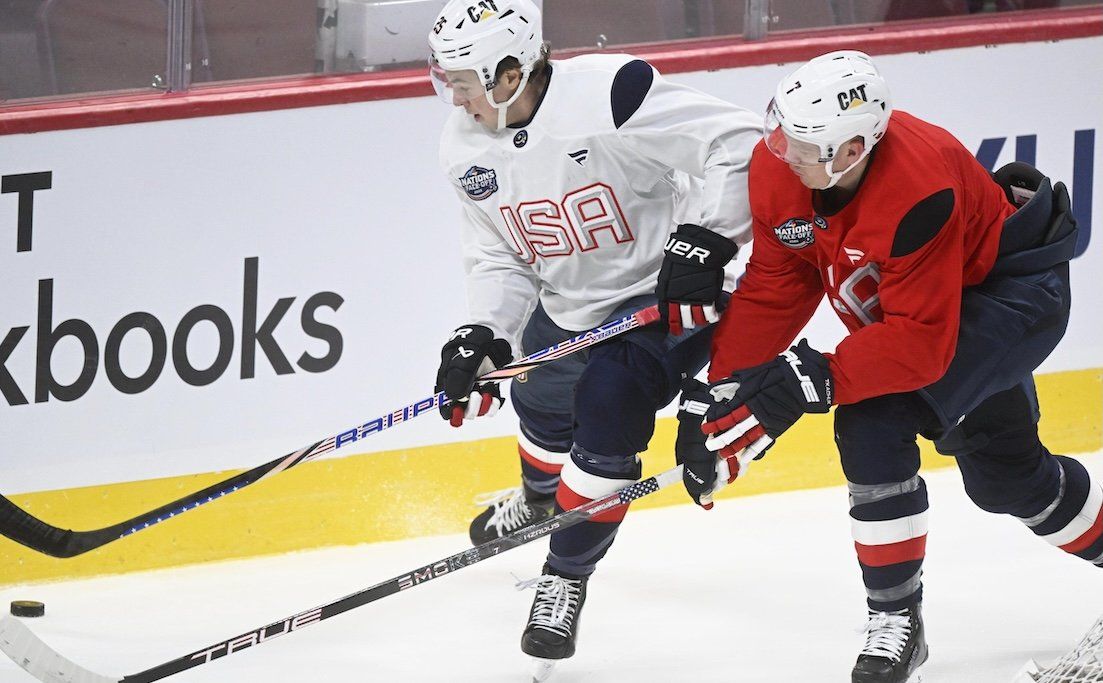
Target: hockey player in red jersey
{"x":952,"y":293}
{"x":571,"y":176}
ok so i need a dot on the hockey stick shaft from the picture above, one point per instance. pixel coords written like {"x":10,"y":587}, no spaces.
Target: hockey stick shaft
{"x":19,"y":642}
{"x":26,"y":529}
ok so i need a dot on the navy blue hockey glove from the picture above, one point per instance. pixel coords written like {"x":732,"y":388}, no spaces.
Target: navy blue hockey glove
{"x":691,"y":278}
{"x":471,"y":351}
{"x":755,"y":406}
{"x":701,"y":467}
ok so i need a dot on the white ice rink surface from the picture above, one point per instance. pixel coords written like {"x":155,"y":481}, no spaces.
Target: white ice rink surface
{"x":759,"y":589}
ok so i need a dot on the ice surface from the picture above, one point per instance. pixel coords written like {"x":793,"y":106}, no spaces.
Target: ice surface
{"x":759,"y":589}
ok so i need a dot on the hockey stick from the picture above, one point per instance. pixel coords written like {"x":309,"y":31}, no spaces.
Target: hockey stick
{"x":22,"y":527}
{"x":29,"y":651}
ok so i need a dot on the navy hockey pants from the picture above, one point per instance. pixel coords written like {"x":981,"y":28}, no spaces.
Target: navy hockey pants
{"x":585,"y":418}
{"x":985,"y":412}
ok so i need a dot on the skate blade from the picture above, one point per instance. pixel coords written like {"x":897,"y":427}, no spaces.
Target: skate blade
{"x":917,"y":676}
{"x":543,"y":669}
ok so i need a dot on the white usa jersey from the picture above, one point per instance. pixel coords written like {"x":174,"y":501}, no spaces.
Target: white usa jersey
{"x":574,"y":207}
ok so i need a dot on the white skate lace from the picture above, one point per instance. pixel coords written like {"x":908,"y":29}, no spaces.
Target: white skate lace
{"x":556,"y":602}
{"x":886,"y":634}
{"x":511,"y":512}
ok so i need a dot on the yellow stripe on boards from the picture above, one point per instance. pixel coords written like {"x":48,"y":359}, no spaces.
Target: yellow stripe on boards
{"x":417,"y":492}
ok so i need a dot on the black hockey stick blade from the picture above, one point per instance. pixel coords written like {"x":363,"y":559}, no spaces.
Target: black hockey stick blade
{"x":30,"y":652}
{"x":26,"y":529}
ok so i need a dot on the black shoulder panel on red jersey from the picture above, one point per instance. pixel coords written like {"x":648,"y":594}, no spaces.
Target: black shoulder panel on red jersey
{"x":922,"y":222}
{"x":630,"y":87}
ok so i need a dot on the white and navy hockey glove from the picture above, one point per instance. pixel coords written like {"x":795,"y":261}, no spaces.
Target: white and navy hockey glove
{"x":703,"y":472}
{"x":755,"y":406}
{"x":471,"y":351}
{"x":691,"y":278}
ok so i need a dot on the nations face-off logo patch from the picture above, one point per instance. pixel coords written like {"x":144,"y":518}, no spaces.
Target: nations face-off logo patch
{"x":479,"y":183}
{"x":795,"y":233}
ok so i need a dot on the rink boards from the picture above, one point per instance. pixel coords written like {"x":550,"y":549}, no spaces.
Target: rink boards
{"x":407,"y":493}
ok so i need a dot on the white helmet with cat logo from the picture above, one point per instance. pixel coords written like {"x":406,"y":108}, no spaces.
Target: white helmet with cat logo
{"x":825,"y":103}
{"x":475,"y":35}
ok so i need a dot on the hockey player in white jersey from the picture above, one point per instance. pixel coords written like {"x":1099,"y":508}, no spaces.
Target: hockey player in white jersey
{"x":572,"y":175}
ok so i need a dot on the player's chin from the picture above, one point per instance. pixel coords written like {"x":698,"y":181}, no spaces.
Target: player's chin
{"x":812,"y":183}
{"x":485,"y":122}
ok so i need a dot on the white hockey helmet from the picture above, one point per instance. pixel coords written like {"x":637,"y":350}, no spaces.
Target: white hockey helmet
{"x":825,"y":103}
{"x":476,"y":35}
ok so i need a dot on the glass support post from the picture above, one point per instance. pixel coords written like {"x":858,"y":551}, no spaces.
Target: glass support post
{"x":756,"y":18}
{"x":178,"y":62}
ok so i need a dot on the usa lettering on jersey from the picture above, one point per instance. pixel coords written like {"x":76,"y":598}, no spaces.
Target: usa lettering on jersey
{"x":547,"y":229}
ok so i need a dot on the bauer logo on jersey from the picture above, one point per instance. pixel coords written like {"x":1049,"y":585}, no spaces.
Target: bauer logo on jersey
{"x":795,"y":233}
{"x":479,"y":183}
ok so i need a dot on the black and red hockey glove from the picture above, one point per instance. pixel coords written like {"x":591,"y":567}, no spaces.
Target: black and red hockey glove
{"x":471,"y":351}
{"x":691,"y":278}
{"x":703,"y":471}
{"x":755,"y":406}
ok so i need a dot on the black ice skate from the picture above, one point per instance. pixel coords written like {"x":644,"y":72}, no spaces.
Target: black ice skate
{"x":510,"y":510}
{"x":895,"y":648}
{"x":553,"y":621}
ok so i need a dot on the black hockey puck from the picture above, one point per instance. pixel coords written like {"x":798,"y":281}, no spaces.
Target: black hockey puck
{"x":27,"y":608}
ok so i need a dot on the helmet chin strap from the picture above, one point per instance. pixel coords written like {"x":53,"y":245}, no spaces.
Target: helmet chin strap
{"x":503,"y":107}
{"x":835,"y":176}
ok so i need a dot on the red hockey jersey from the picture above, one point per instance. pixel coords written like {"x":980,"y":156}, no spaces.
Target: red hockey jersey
{"x":923,"y":224}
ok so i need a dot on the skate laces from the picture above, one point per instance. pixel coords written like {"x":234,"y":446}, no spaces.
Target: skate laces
{"x":556,"y":602}
{"x":886,"y":634}
{"x":510,"y":509}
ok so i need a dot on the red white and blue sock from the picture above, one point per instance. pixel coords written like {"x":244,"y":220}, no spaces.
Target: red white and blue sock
{"x":540,"y":465}
{"x":1073,"y":519}
{"x":586,"y":477}
{"x":889,"y":525}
